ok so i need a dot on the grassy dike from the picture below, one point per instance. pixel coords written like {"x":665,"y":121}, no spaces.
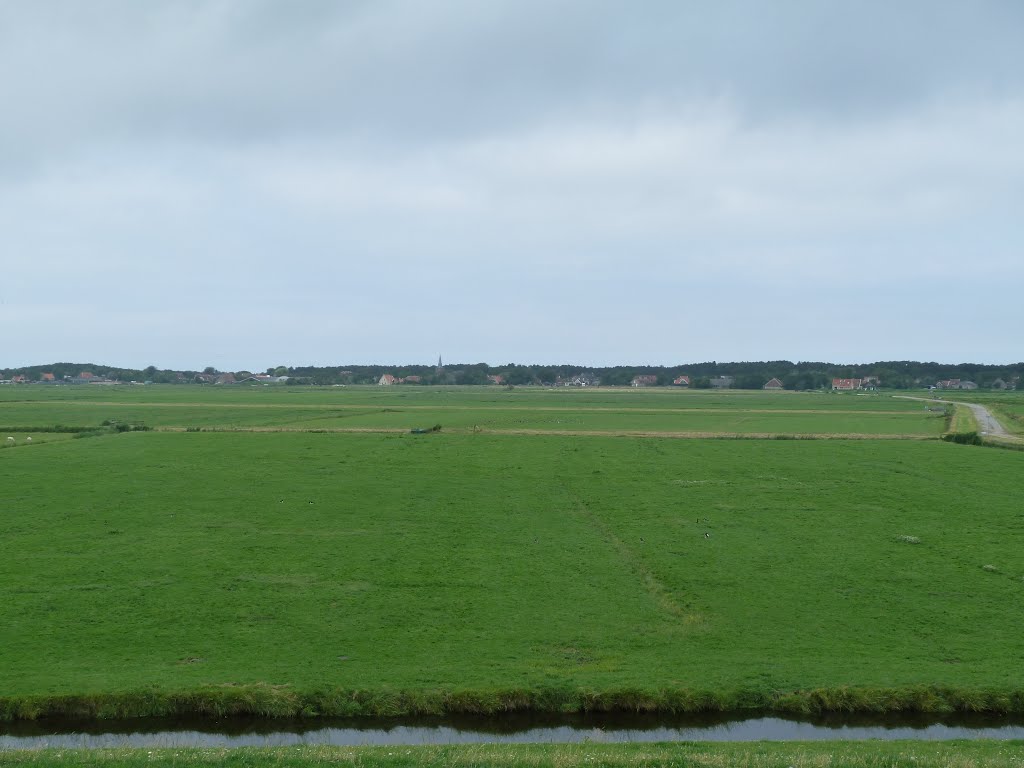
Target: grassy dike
{"x":919,"y":754}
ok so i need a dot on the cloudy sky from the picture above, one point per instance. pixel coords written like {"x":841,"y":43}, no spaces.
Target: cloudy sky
{"x":249,"y":183}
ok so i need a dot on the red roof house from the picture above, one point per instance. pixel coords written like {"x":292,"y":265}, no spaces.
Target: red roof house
{"x":846,"y":383}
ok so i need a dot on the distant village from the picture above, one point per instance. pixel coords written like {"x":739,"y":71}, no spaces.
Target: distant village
{"x":768,"y":376}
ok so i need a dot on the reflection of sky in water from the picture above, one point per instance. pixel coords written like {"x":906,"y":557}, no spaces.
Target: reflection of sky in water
{"x":747,"y":730}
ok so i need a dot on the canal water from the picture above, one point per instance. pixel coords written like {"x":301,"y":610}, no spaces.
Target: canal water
{"x":605,"y":729}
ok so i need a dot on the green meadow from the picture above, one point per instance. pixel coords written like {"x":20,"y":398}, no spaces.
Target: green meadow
{"x":294,"y":570}
{"x":470,"y":409}
{"x":906,"y":754}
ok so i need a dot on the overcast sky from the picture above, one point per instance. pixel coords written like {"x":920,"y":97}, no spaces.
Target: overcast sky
{"x":250,"y":183}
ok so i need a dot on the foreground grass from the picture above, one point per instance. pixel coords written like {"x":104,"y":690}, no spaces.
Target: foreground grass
{"x":279,"y":574}
{"x":950,"y":754}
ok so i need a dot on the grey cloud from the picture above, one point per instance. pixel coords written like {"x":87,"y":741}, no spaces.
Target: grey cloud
{"x":413,"y":71}
{"x":567,"y":175}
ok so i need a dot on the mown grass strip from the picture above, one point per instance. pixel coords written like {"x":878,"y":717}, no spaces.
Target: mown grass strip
{"x":962,"y":420}
{"x":920,"y":754}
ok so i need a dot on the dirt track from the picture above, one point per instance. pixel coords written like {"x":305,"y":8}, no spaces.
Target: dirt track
{"x":988,"y":424}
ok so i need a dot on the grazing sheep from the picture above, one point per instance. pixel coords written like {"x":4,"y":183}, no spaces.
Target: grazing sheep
{"x":28,"y":439}
{"x":10,"y":439}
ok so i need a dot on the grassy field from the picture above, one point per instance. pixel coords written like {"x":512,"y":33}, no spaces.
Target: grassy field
{"x":307,"y":572}
{"x":915,"y":754}
{"x":469,"y":409}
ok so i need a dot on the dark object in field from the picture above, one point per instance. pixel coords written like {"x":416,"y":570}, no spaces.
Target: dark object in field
{"x":425,"y":431}
{"x":964,"y":438}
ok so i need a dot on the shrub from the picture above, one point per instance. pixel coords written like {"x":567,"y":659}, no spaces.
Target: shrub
{"x":963,"y":438}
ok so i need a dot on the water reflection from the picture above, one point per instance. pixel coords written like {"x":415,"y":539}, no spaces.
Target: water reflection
{"x":608,"y":728}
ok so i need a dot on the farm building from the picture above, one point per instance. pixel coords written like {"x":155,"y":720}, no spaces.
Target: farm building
{"x":773,"y":384}
{"x":847,"y":384}
{"x":582,"y":380}
{"x":681,"y":381}
{"x":721,"y":382}
{"x":386,"y":380}
{"x":644,"y":381}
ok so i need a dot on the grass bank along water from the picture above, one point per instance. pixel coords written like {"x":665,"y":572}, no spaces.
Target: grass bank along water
{"x":282,"y":574}
{"x":956,"y":754}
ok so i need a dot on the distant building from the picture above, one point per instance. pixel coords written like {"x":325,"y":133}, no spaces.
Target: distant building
{"x":583,"y":380}
{"x":721,"y":382}
{"x":773,"y":384}
{"x":998,"y":384}
{"x":681,"y":381}
{"x":496,"y":379}
{"x":644,"y":381}
{"x":86,"y":377}
{"x":264,"y":378}
{"x":410,"y":380}
{"x":847,"y":384}
{"x":49,"y":377}
{"x":386,"y":380}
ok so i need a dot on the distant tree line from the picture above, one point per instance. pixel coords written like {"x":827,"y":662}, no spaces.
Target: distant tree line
{"x":746,"y":375}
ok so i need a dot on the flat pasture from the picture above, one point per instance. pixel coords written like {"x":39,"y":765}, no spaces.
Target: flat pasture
{"x":504,"y":568}
{"x":470,"y":409}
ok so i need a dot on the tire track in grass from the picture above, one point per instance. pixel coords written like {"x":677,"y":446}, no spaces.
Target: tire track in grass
{"x":654,"y":586}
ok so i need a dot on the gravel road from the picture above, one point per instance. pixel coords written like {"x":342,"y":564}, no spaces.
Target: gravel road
{"x":988,"y":424}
